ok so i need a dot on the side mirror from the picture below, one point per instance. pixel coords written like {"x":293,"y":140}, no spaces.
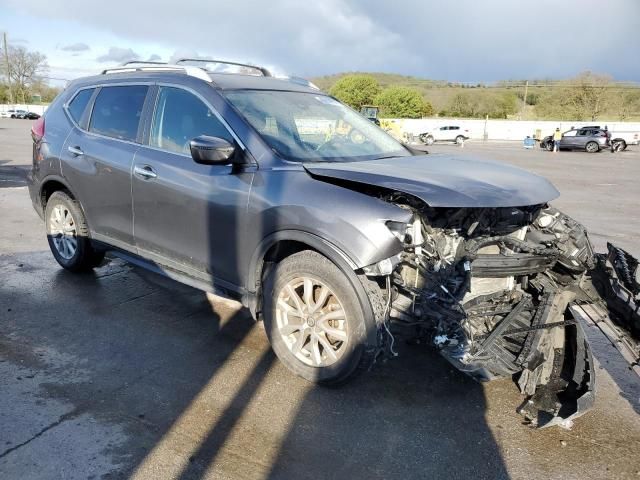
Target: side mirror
{"x":211,"y":150}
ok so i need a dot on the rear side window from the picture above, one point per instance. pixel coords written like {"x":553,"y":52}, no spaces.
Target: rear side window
{"x":117,"y":111}
{"x":79,"y":103}
{"x":180,"y":116}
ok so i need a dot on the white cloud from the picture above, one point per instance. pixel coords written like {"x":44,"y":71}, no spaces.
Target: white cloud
{"x":464,"y":40}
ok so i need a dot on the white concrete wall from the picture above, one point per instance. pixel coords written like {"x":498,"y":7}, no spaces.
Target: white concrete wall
{"x":503,"y":129}
{"x":39,"y":109}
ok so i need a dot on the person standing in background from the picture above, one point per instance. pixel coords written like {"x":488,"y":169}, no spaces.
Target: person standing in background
{"x":557,"y":136}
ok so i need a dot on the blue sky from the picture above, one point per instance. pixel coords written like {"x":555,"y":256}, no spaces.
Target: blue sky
{"x":458,"y":40}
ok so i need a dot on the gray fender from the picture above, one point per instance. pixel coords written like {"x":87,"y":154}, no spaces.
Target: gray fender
{"x":329,"y":250}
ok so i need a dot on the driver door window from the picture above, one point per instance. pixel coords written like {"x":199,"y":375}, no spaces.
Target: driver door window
{"x":179,"y":117}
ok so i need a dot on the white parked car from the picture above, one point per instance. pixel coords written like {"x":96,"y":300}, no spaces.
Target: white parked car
{"x":13,"y":113}
{"x":447,"y":133}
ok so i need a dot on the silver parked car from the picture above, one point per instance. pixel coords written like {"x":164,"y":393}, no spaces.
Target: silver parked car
{"x":590,"y":139}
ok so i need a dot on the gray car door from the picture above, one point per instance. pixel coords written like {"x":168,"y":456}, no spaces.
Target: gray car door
{"x":187,"y":215}
{"x":568,"y":139}
{"x":582,"y":137}
{"x":97,"y":158}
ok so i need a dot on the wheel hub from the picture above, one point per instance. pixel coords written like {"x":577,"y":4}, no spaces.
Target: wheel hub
{"x":312,"y":322}
{"x":63,"y":233}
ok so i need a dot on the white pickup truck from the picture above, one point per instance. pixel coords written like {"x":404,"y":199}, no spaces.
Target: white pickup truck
{"x":621,"y":139}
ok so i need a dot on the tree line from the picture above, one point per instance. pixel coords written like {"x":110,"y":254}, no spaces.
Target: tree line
{"x":585,"y":97}
{"x":23,"y":75}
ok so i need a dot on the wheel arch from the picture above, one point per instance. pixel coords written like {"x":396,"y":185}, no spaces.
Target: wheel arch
{"x":51,"y":184}
{"x":280,"y":245}
{"x":55,"y":183}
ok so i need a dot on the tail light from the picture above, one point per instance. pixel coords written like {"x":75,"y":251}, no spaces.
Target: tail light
{"x":37,"y":130}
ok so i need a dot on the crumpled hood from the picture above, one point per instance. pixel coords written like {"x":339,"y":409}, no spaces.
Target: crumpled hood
{"x":445,"y":180}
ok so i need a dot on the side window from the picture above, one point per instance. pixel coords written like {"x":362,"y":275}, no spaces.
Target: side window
{"x":179,"y":117}
{"x":570,"y":133}
{"x":79,"y":103}
{"x":117,"y":111}
{"x":583,"y":133}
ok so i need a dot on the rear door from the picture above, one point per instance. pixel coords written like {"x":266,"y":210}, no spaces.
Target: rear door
{"x":581,"y":138}
{"x":189,"y":216}
{"x":98,"y":157}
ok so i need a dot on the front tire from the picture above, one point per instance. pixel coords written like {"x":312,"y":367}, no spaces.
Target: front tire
{"x":314,"y":319}
{"x":618,"y":146}
{"x":459,"y":140}
{"x":68,"y":234}
{"x":427,"y":139}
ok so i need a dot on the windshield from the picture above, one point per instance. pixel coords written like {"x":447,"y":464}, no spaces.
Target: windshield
{"x":313,"y":127}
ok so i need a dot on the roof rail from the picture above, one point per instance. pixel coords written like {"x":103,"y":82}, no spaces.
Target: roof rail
{"x":143,"y":62}
{"x":129,"y":67}
{"x":262,"y":70}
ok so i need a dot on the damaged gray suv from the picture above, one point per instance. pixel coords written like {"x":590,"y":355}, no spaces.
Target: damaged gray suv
{"x":340,"y":238}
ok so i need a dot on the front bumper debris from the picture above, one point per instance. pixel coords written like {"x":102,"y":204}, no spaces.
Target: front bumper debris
{"x":501,"y":292}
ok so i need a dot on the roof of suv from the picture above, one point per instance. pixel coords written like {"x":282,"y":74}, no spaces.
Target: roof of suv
{"x":223,"y":81}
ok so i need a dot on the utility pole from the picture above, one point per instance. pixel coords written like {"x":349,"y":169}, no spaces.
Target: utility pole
{"x":524,"y":100}
{"x":6,"y":59}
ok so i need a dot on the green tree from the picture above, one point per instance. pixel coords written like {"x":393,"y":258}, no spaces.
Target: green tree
{"x":356,"y":90}
{"x":403,"y":102}
{"x":463,"y":105}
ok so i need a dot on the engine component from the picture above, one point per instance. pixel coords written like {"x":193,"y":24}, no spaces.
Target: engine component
{"x":491,"y":288}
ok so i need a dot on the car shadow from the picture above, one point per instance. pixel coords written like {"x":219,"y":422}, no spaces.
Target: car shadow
{"x":199,"y":394}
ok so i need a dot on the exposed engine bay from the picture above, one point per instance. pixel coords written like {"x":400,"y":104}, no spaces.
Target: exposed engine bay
{"x":491,"y":289}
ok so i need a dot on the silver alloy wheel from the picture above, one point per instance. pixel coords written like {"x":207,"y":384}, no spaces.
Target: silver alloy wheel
{"x":312,"y":322}
{"x":429,"y":140}
{"x":62,"y":230}
{"x":592,"y":147}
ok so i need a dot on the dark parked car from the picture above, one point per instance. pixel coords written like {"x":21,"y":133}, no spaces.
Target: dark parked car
{"x":590,"y":139}
{"x":30,"y":116}
{"x":330,"y":231}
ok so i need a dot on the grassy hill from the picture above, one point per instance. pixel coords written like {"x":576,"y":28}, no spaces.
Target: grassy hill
{"x":542,"y":95}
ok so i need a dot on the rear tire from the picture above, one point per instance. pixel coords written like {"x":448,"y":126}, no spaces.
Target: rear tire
{"x":592,"y":147}
{"x":459,"y":140}
{"x":314,"y":320}
{"x":68,"y":234}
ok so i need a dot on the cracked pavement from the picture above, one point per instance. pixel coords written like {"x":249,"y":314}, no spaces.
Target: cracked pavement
{"x":126,"y":374}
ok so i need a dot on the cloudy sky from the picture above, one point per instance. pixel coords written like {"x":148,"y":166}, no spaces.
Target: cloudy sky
{"x":454,"y":40}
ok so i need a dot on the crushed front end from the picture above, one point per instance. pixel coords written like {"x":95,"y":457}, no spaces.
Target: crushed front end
{"x":492,"y":289}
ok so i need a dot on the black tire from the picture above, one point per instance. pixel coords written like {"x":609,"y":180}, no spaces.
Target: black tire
{"x":85,"y":256}
{"x":618,"y":145}
{"x":460,"y":139}
{"x":592,"y":147}
{"x":357,"y":355}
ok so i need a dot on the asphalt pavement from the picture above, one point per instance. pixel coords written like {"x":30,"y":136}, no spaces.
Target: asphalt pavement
{"x":122,"y":373}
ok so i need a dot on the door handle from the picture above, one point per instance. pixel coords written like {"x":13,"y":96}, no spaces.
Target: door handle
{"x":144,"y":171}
{"x":75,"y":151}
